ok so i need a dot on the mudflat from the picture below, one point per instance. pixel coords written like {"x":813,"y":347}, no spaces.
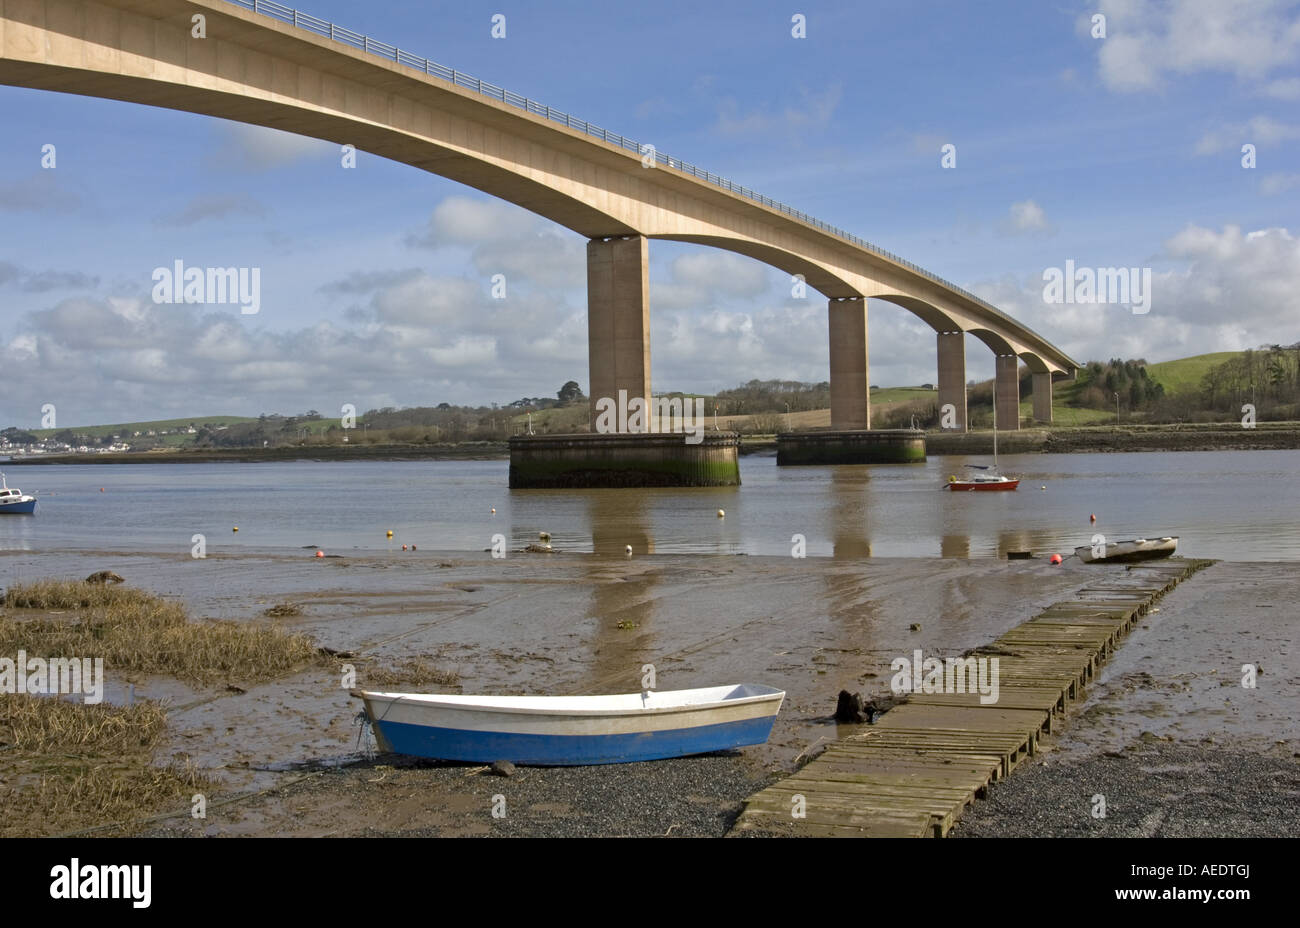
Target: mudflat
{"x":287,"y":755}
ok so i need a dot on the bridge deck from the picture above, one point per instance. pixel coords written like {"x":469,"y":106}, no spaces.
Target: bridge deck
{"x":913,"y":773}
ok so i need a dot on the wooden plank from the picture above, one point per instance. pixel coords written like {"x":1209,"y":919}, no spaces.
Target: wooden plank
{"x":914,"y":772}
{"x":877,"y":825}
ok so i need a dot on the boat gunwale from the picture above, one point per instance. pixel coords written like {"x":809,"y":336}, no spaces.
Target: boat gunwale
{"x":439,"y":701}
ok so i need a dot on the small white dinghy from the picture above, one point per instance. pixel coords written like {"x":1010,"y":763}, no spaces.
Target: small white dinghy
{"x":572,"y":730}
{"x":1126,"y":552}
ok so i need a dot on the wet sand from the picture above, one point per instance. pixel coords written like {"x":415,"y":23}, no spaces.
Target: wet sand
{"x":291,"y":756}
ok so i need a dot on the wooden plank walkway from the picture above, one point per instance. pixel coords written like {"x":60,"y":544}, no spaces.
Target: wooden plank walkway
{"x":915,"y":771}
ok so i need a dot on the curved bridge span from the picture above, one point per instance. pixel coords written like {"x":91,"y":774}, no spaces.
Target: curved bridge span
{"x":267,"y":64}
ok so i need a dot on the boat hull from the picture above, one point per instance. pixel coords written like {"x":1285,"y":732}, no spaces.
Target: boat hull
{"x":21,"y":508}
{"x":417,"y":726}
{"x":1129,"y":552}
{"x":959,"y":487}
{"x":569,"y":750}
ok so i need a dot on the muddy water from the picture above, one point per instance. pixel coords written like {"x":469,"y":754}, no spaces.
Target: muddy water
{"x":1237,"y":505}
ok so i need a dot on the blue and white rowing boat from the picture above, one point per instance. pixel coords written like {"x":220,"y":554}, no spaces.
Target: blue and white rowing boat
{"x":573,"y":730}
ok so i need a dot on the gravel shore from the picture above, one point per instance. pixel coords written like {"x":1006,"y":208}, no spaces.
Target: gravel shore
{"x":404,"y":797}
{"x":1151,"y":790}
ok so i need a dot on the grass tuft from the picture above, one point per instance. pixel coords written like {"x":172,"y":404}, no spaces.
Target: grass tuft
{"x":68,"y":766}
{"x":136,"y":631}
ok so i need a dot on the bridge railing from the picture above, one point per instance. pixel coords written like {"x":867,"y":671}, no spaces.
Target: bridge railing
{"x":321,"y":27}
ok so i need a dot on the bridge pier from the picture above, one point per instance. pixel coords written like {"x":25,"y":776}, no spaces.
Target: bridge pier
{"x":618,"y":318}
{"x":1043,"y":396}
{"x":1006,"y":382}
{"x":850,"y":384}
{"x":952,"y":376}
{"x":850,"y":439}
{"x":618,"y":332}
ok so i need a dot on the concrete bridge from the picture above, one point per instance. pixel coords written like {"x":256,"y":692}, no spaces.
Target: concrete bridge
{"x":270,"y":65}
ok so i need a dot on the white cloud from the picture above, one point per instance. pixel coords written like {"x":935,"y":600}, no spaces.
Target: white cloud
{"x":257,"y":148}
{"x":1211,"y":291}
{"x":1025,"y":217}
{"x":213,"y":206}
{"x":1259,"y":130}
{"x":39,"y":193}
{"x":722,"y":272}
{"x":1147,"y":41}
{"x":505,"y":239}
{"x":814,"y":110}
{"x":1284,"y":89}
{"x":1273,"y":184}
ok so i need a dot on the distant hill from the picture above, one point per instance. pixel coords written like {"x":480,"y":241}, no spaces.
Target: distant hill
{"x":1178,"y":376}
{"x":126,"y":429}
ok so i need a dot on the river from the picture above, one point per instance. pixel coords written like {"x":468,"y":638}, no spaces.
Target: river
{"x":1239,"y":505}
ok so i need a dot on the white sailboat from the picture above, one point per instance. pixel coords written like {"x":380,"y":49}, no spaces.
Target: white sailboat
{"x":990,"y":478}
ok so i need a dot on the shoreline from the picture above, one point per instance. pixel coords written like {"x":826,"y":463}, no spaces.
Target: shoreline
{"x":1265,"y":436}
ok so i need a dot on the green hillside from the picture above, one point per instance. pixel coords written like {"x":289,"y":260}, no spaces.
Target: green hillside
{"x":1186,"y":373}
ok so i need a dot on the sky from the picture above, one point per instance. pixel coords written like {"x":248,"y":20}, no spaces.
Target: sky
{"x":376,"y":282}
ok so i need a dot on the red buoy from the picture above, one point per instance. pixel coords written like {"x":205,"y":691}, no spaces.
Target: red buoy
{"x":1056,"y":559}
{"x":1093,"y":517}
{"x":320,"y":553}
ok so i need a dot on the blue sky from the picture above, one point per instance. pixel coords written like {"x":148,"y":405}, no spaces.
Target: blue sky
{"x":1119,"y":151}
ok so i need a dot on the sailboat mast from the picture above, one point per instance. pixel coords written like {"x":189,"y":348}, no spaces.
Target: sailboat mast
{"x":995,"y":423}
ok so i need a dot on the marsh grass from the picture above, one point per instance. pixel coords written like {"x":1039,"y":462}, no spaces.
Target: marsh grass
{"x":66,"y":766}
{"x":414,"y":671}
{"x":136,"y":631}
{"x":86,"y":795}
{"x":44,"y":725}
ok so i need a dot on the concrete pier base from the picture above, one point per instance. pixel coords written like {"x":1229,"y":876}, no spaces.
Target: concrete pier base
{"x":855,"y":446}
{"x":641,"y":460}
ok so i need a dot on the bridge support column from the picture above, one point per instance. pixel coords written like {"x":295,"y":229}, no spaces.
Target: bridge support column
{"x":1043,"y":396}
{"x":618,"y":319}
{"x":952,"y":379}
{"x":850,"y":387}
{"x":1006,"y":383}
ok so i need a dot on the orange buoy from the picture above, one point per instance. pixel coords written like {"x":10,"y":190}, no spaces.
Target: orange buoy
{"x":235,"y":529}
{"x":320,"y":553}
{"x":1056,"y":559}
{"x":403,"y":547}
{"x":390,"y":533}
{"x":101,"y":489}
{"x":1093,"y":517}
